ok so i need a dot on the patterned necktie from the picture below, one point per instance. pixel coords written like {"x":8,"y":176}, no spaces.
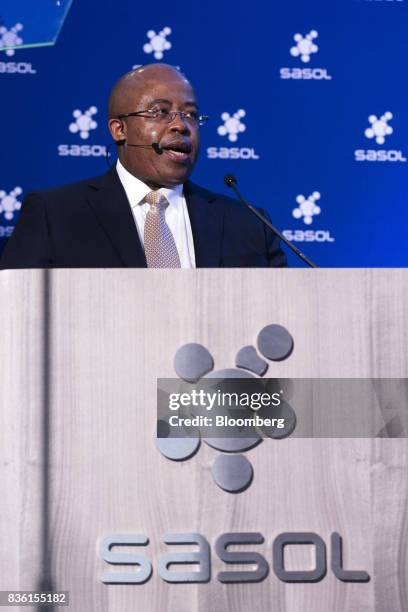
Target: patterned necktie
{"x":160,"y":247}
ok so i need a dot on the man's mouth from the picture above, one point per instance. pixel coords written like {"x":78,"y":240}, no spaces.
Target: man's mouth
{"x":179,"y":152}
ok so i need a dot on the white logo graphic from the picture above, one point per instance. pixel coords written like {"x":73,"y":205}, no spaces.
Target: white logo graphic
{"x":379,"y":127}
{"x":83,"y":122}
{"x":379,"y":130}
{"x":232,"y":125}
{"x":9,"y":203}
{"x":158,"y":43}
{"x":307,"y":207}
{"x":10,"y":38}
{"x":305,"y":46}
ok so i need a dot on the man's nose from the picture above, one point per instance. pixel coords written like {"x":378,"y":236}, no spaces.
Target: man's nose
{"x":180,"y":124}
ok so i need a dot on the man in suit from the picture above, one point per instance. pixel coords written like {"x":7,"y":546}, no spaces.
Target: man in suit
{"x":144,"y":212}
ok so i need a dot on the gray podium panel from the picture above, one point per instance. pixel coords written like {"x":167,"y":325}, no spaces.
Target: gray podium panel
{"x":22,"y":394}
{"x":79,"y":359}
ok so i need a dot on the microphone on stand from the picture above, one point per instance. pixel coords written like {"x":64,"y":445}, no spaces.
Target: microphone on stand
{"x":231,"y":182}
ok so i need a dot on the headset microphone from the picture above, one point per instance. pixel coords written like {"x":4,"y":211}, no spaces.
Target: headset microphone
{"x":155,"y":146}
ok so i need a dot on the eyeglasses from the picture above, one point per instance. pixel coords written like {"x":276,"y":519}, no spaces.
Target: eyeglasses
{"x":163,"y":115}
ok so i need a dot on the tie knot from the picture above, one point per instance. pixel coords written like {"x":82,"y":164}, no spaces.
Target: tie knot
{"x":157,"y":199}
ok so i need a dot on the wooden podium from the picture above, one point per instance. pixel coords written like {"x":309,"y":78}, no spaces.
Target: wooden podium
{"x":80,"y":354}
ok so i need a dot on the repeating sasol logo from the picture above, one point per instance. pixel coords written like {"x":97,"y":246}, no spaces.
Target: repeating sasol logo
{"x":10,"y":204}
{"x":304,"y":49}
{"x":307,"y":207}
{"x":306,"y":210}
{"x":304,"y":46}
{"x":232,"y":125}
{"x":379,"y":130}
{"x":12,"y":38}
{"x":158,"y":43}
{"x":84,"y":123}
{"x":231,"y":128}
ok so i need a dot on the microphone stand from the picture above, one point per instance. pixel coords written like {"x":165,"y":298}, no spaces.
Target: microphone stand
{"x":231,"y":182}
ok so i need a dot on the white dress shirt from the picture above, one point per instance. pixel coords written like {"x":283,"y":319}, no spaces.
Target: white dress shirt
{"x":176,"y":213}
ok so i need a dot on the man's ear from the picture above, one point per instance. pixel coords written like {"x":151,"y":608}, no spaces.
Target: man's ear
{"x":117,"y":130}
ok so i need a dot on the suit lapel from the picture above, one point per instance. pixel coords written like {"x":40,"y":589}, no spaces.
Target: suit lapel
{"x":110,"y":205}
{"x":108,"y":201}
{"x":206,"y":218}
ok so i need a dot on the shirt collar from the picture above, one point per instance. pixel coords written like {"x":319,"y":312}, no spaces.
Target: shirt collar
{"x":137,"y":190}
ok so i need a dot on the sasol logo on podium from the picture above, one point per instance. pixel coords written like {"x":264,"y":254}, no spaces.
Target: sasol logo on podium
{"x":232,"y":127}
{"x":143,"y":568}
{"x":379,"y":130}
{"x":304,"y":49}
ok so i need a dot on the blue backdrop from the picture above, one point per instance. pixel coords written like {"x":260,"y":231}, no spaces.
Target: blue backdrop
{"x":307,"y":105}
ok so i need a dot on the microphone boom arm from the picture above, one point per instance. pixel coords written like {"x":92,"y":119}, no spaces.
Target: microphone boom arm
{"x":231,"y":181}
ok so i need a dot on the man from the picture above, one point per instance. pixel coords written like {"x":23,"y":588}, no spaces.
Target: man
{"x":144,"y":212}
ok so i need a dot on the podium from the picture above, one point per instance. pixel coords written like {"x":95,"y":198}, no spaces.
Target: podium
{"x":81,"y":352}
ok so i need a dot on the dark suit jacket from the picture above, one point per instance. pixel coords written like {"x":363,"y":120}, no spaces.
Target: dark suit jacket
{"x":90,"y":225}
